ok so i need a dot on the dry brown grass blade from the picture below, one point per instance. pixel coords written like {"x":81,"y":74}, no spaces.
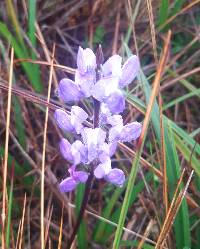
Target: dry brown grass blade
{"x":43,"y":152}
{"x":174,"y":207}
{"x":163,"y":157}
{"x":155,"y":89}
{"x":3,"y":214}
{"x":116,"y":33}
{"x":133,"y":27}
{"x":46,"y":52}
{"x":22,"y":223}
{"x":48,"y":222}
{"x":146,"y":233}
{"x":33,"y":97}
{"x":45,"y":63}
{"x":18,"y":234}
{"x":165,"y":224}
{"x":61,"y":229}
{"x":153,"y":33}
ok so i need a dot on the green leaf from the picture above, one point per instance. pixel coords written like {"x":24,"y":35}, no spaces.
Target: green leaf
{"x":82,"y":232}
{"x":163,"y":11}
{"x":21,"y":53}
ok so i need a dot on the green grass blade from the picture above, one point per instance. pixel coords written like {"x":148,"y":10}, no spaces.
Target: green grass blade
{"x":21,"y":53}
{"x":82,"y":232}
{"x":31,"y":21}
{"x":32,"y":36}
{"x":14,"y":21}
{"x":19,"y":170}
{"x":177,"y":7}
{"x":19,"y":122}
{"x":181,"y":99}
{"x":163,"y":11}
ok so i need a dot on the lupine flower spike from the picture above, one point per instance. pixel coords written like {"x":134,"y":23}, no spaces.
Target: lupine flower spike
{"x":93,"y":148}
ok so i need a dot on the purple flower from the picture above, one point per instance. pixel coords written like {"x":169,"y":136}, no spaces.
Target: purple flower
{"x":95,"y":146}
{"x":69,"y":91}
{"x":67,"y":185}
{"x":116,"y":177}
{"x":115,"y":77}
{"x":63,"y":120}
{"x":93,"y":140}
{"x":112,"y":67}
{"x":126,"y":133}
{"x":103,"y":169}
{"x":85,"y":82}
{"x":76,"y":177}
{"x":75,"y":153}
{"x":72,"y":122}
{"x":126,"y":73}
{"x":86,"y":61}
{"x":107,"y":90}
{"x":129,"y":71}
{"x":78,"y":116}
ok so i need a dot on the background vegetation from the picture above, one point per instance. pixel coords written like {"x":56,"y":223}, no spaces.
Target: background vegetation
{"x":161,"y":206}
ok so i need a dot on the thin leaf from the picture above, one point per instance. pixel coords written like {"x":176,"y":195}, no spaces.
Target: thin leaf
{"x":82,"y":232}
{"x":163,"y":11}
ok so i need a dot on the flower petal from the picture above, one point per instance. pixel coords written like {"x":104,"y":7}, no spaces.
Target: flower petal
{"x":112,"y":67}
{"x":80,"y":176}
{"x":93,"y":139}
{"x":69,"y":91}
{"x":131,"y":132}
{"x":67,"y":185}
{"x":86,"y":82}
{"x":65,"y":149}
{"x":78,"y":116}
{"x":102,"y":169}
{"x":105,"y":87}
{"x":112,"y":148}
{"x":116,"y":177}
{"x":63,"y":120}
{"x":115,"y":133}
{"x":86,"y":60}
{"x":116,"y":102}
{"x":129,"y":71}
{"x":104,"y":114}
{"x":115,"y":120}
{"x":79,"y":152}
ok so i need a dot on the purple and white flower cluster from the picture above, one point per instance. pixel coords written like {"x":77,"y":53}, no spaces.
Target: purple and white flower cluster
{"x":95,"y":146}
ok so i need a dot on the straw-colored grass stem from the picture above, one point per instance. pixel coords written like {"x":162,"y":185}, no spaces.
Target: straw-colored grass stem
{"x":43,"y":153}
{"x":3,"y":215}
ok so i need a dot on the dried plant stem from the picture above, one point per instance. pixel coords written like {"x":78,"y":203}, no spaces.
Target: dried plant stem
{"x":43,"y":155}
{"x":22,"y":223}
{"x":89,"y":181}
{"x":3,"y":215}
{"x":61,"y":228}
{"x":82,"y":209}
